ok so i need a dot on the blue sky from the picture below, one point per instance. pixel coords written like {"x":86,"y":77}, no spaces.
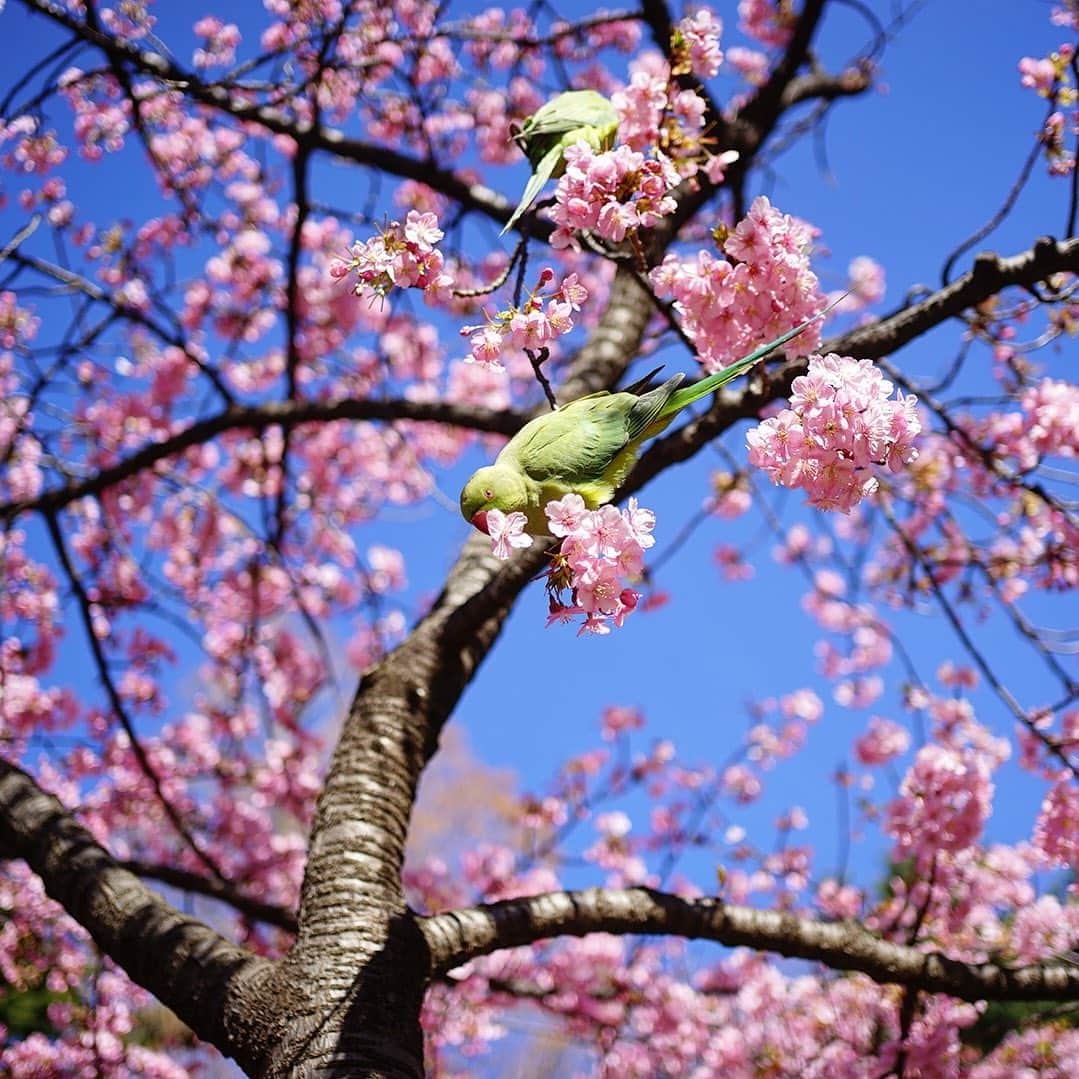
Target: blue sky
{"x":914,"y":168}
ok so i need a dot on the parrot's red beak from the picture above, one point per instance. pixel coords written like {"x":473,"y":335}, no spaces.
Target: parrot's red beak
{"x":479,"y":520}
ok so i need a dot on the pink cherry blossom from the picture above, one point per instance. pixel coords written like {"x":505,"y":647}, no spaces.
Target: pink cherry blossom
{"x":536,"y":324}
{"x":611,"y":193}
{"x":943,"y":803}
{"x":599,"y":549}
{"x":769,"y":21}
{"x":507,"y":532}
{"x":701,"y":32}
{"x":764,"y":288}
{"x":401,"y":256}
{"x":841,"y":421}
{"x":884,"y":740}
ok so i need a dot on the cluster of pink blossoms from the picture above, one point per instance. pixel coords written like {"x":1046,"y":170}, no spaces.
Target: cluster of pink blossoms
{"x":400,"y":256}
{"x":771,"y":22}
{"x":654,"y":110}
{"x":944,"y":801}
{"x":697,"y":38}
{"x":599,"y":549}
{"x":220,"y":41}
{"x":842,"y":421}
{"x":611,"y":193}
{"x":760,"y":291}
{"x":531,"y":326}
{"x":1050,"y":77}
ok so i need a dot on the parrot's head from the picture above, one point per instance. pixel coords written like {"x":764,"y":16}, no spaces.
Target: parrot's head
{"x":492,"y":488}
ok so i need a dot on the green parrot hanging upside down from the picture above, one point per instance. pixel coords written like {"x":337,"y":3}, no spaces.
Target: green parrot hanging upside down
{"x":588,"y":446}
{"x":565,"y":119}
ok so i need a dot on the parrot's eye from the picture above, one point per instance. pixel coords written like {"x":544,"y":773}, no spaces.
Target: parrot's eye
{"x":488,"y":493}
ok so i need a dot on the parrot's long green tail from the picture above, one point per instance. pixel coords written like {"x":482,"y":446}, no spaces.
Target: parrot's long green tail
{"x":680,"y":398}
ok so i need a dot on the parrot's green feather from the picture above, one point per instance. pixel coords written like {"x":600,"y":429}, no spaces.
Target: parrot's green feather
{"x":574,"y":444}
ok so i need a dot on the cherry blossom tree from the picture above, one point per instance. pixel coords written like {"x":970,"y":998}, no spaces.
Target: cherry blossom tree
{"x":255,"y":311}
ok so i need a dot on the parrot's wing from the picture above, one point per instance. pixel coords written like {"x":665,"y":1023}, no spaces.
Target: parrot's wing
{"x":577,"y":443}
{"x":651,"y":405}
{"x":643,"y":384}
{"x":544,"y":171}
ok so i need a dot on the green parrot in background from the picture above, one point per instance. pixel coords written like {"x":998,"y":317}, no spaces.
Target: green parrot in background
{"x":574,"y":115}
{"x":588,"y":446}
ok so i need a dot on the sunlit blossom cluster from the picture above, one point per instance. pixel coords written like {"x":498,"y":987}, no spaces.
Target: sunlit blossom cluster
{"x":600,"y":549}
{"x":102,"y":115}
{"x":18,"y":326}
{"x":842,"y":422}
{"x":219,"y":44}
{"x":943,"y":803}
{"x":656,"y":111}
{"x":696,"y":43}
{"x":547,"y":314}
{"x":762,"y":289}
{"x":29,"y":149}
{"x":612,"y":193}
{"x":1051,"y":77}
{"x":400,"y":256}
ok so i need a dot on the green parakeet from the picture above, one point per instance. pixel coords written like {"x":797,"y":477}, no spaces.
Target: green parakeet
{"x":576,"y":114}
{"x":588,"y":446}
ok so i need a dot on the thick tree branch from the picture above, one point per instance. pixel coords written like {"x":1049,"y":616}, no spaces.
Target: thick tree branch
{"x":353,"y":914}
{"x":457,"y":936}
{"x":419,"y":683}
{"x":352,"y":911}
{"x":990,"y":274}
{"x":209,"y":982}
{"x":287,"y":414}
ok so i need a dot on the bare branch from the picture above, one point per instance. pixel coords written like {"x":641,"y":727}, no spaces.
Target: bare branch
{"x":457,"y":936}
{"x":287,"y":414}
{"x":824,"y":86}
{"x":196,"y":884}
{"x":401,"y":705}
{"x":990,"y":274}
